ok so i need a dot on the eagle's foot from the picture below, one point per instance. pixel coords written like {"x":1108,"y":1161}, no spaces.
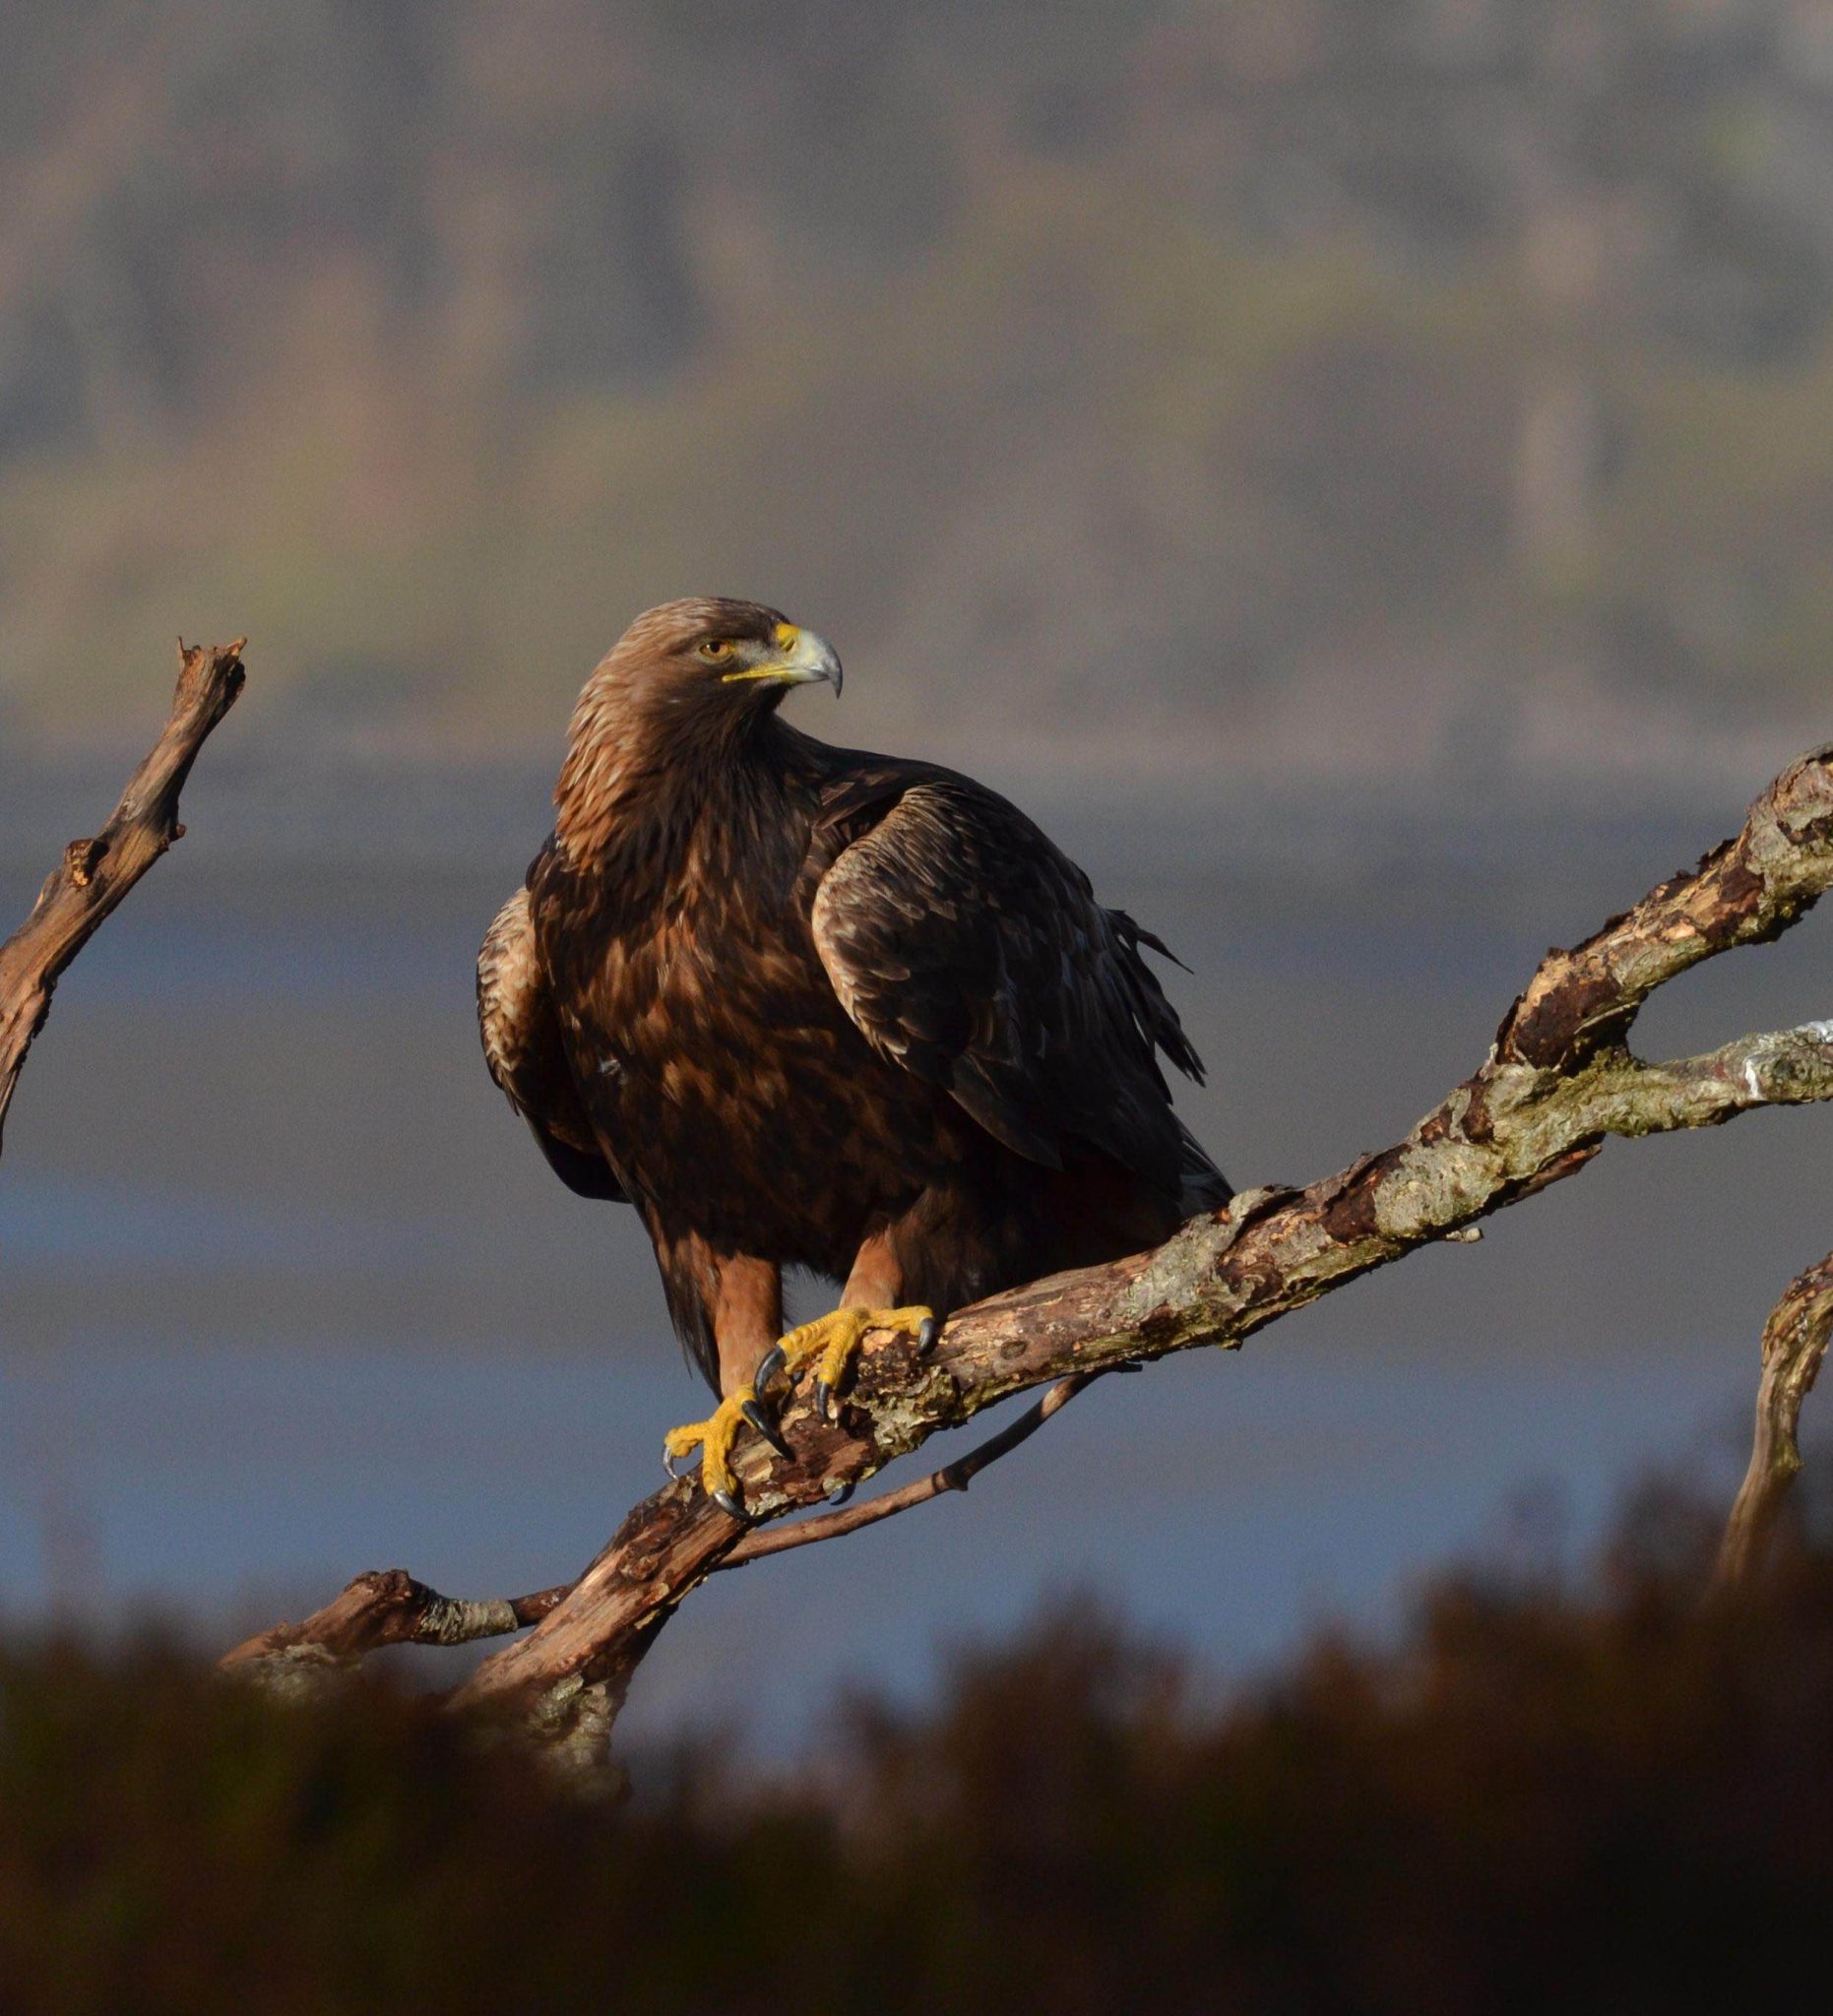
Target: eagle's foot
{"x":833,"y":1340}
{"x":713,"y":1438}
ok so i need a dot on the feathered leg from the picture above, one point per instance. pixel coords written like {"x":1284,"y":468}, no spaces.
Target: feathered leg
{"x":743,"y":1302}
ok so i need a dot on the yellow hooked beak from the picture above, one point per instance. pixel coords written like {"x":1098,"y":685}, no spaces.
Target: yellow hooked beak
{"x":803,"y":659}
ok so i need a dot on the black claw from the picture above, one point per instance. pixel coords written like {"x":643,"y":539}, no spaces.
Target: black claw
{"x":753,"y":1412}
{"x":824,"y":1399}
{"x":768,"y":1366}
{"x":840,"y":1492}
{"x":927,"y":1331}
{"x":729,"y":1504}
{"x":668,"y":1460}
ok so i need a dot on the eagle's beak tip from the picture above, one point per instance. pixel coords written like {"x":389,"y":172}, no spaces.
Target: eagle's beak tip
{"x":821,"y":659}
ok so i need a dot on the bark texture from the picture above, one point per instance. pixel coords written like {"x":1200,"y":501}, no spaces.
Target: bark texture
{"x":1795,"y":1342}
{"x":94,"y":874}
{"x":381,"y":1607}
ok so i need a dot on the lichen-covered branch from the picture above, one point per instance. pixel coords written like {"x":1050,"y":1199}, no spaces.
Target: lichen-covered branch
{"x":1560,"y":1081}
{"x":94,"y":874}
{"x":952,"y":1476}
{"x":1795,"y":1342}
{"x":382,"y":1606}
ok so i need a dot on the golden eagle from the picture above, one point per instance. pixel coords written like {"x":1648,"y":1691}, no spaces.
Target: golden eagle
{"x":807,"y":1007}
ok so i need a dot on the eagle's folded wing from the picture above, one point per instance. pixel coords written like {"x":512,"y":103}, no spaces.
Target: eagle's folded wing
{"x":970,"y":950}
{"x":522,"y":1047}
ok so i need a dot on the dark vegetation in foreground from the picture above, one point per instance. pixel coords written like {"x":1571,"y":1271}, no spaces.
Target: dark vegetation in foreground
{"x":1616,"y":1797}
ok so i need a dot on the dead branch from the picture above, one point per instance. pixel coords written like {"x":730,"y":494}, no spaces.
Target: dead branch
{"x":1795,"y":1342}
{"x":1558,"y":1081}
{"x":94,"y":874}
{"x":381,"y":1607}
{"x":952,"y":1476}
{"x":387,"y":1606}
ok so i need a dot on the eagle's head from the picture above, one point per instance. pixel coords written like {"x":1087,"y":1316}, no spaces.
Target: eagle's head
{"x":684,"y":677}
{"x":709,"y":651}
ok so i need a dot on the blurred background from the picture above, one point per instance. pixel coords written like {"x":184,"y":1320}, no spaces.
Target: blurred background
{"x":1359,"y":470}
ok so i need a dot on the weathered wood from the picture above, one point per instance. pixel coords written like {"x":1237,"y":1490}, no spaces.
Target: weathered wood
{"x":94,"y":874}
{"x":380,"y":1607}
{"x":1795,"y":1342}
{"x":952,"y":1476}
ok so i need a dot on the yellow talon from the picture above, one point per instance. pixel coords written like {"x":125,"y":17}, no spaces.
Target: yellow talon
{"x":713,"y":1438}
{"x":830,"y":1340}
{"x":833,"y":1340}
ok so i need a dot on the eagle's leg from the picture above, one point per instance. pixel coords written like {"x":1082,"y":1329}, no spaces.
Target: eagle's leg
{"x":832,"y":1340}
{"x":742,"y":1299}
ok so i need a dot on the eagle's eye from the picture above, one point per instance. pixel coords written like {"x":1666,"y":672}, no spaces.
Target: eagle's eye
{"x":717,"y":650}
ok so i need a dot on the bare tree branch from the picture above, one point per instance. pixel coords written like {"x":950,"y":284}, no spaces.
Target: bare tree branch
{"x":952,"y":1476}
{"x":387,"y":1606}
{"x":1795,"y":1342}
{"x":1558,"y":1081}
{"x":94,"y":874}
{"x":381,"y":1607}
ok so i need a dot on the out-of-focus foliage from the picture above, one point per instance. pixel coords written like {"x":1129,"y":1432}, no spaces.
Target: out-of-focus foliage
{"x":1538,"y":1799}
{"x":1425,"y":386}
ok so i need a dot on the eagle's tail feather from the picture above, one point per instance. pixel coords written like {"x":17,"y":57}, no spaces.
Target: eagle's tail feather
{"x":1152,"y":1010}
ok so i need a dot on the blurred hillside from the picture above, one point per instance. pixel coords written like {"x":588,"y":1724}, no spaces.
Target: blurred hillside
{"x":1395,"y":390}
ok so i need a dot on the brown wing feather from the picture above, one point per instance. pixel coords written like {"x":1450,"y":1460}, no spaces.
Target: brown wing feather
{"x":522,"y":1047}
{"x":969,"y":949}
